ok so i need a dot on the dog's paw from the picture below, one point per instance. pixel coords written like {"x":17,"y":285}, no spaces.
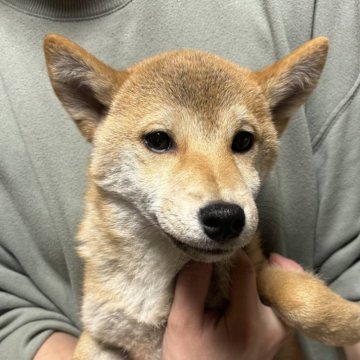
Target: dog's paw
{"x":338,"y":324}
{"x":305,"y":303}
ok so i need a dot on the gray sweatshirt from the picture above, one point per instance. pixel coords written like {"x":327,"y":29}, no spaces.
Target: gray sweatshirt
{"x":309,"y":207}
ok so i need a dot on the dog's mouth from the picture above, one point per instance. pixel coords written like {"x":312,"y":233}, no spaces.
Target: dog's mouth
{"x":206,"y":251}
{"x":196,"y":251}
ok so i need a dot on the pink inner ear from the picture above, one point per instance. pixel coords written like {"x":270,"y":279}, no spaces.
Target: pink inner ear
{"x":84,"y":97}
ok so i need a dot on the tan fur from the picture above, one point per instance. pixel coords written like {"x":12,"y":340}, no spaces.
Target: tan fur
{"x":140,"y":225}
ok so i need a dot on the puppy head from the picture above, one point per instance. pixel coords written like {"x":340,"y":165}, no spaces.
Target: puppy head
{"x":184,"y":137}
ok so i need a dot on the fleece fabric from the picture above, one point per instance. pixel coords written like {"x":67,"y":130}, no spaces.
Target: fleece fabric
{"x":309,"y":207}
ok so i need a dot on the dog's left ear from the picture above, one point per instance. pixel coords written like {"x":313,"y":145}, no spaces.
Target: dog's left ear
{"x":289,"y":82}
{"x":84,"y":85}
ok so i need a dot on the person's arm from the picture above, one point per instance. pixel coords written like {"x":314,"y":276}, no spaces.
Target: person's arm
{"x":58,"y":346}
{"x":27,"y":317}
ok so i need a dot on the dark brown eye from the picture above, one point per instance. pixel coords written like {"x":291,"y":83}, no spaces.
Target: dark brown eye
{"x":158,"y":141}
{"x":242,"y":142}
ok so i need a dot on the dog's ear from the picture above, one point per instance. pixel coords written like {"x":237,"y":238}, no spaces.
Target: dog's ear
{"x":289,"y":82}
{"x":85,"y":85}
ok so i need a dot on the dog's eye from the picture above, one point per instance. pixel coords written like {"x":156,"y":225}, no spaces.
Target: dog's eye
{"x":242,"y":142}
{"x":158,"y":141}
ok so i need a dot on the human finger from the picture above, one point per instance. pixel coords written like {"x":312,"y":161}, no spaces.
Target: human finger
{"x":283,"y":262}
{"x":244,"y":298}
{"x":191,"y":288}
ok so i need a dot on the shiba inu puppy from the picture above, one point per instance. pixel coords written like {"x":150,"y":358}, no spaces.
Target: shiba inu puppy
{"x":181,"y":144}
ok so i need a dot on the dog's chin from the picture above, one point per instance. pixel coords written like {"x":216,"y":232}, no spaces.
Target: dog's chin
{"x":203,"y":254}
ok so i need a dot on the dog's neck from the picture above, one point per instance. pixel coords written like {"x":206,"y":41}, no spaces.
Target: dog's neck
{"x":135,"y":261}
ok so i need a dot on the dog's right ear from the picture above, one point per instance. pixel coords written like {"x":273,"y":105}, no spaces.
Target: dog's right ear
{"x":85,"y":85}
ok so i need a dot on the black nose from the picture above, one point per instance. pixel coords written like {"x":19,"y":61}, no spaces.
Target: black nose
{"x":222,"y":221}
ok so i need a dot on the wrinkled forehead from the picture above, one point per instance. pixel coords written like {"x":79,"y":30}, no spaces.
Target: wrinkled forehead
{"x":208,"y":87}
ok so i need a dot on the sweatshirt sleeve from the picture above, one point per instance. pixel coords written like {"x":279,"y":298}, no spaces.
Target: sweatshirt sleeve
{"x":334,"y":121}
{"x":27,"y":317}
{"x":35,"y":292}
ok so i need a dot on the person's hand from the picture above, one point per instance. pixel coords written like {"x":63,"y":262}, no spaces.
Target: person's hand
{"x":58,"y":346}
{"x":247,"y":330}
{"x":352,"y":352}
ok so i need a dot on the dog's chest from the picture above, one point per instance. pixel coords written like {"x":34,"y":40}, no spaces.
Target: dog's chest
{"x":110,"y":323}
